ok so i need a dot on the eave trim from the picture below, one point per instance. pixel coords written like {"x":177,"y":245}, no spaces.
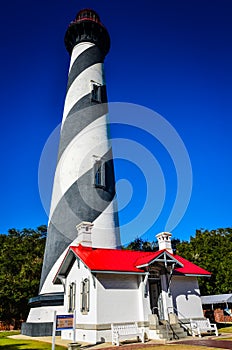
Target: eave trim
{"x":119,"y":272}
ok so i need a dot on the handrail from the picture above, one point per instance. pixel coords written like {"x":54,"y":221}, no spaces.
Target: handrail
{"x":154,"y":307}
{"x":179,"y":313}
{"x":169,"y":327}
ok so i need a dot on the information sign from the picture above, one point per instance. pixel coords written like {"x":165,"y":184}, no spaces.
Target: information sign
{"x":64,"y":322}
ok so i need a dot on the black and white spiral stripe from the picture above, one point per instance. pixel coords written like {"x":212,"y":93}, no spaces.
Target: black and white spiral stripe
{"x":84,"y":136}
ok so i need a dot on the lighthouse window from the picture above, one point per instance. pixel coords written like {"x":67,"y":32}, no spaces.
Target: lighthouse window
{"x":85,"y":295}
{"x":99,"y":173}
{"x":71,"y":297}
{"x":98,"y":93}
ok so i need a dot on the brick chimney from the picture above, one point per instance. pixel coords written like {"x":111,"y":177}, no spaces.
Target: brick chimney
{"x":164,"y":240}
{"x":84,"y":233}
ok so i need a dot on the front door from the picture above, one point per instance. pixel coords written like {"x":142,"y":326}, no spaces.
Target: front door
{"x":156,"y":297}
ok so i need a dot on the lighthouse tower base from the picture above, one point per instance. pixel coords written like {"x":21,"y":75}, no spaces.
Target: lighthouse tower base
{"x":41,"y":316}
{"x":42,"y":307}
{"x":40,"y":319}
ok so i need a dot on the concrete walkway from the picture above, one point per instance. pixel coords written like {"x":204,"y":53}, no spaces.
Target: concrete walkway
{"x":218,"y":342}
{"x":104,"y":346}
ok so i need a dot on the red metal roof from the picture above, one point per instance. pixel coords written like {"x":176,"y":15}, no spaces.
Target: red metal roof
{"x":99,"y":259}
{"x":189,"y":268}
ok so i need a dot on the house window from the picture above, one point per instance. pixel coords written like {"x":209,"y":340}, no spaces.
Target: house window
{"x":99,"y":173}
{"x":98,"y":93}
{"x":71,"y":297}
{"x":85,"y":295}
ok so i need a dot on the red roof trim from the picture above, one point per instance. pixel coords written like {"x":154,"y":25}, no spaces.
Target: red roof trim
{"x":103,"y":260}
{"x":159,"y":253}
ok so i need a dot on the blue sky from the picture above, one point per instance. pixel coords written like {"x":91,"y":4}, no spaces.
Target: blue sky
{"x":171,"y":56}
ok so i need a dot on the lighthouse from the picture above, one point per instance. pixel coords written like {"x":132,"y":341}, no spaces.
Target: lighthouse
{"x":86,"y":278}
{"x":84,"y":184}
{"x":83,"y":195}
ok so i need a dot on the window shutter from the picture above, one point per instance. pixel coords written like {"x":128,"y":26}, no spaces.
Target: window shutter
{"x":82,"y":296}
{"x":73,"y":296}
{"x":69,"y":298}
{"x":85,"y":295}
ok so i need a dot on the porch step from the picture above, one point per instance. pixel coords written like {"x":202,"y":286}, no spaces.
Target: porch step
{"x":162,"y":333}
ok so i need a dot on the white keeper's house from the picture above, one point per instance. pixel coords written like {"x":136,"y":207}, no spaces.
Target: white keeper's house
{"x":105,"y":286}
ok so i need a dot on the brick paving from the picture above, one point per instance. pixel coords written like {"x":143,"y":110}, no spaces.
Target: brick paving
{"x":213,"y":343}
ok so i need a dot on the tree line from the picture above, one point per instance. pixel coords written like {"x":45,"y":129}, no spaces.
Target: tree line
{"x":211,"y":250}
{"x":21,"y":259}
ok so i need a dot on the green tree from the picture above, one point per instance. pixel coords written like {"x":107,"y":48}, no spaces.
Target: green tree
{"x":140,"y":244}
{"x":211,"y":250}
{"x":21,"y":258}
{"x":146,"y":246}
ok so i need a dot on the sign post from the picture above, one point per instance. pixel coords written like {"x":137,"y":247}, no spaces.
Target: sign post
{"x":61,"y":322}
{"x":54,"y":331}
{"x":74,"y":326}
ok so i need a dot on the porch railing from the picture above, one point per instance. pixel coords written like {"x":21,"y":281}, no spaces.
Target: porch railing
{"x":168,"y":326}
{"x":170,"y":329}
{"x":177,"y":312}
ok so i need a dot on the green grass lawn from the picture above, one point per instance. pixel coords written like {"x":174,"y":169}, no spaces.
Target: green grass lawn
{"x":226,"y":329}
{"x":21,"y":344}
{"x":178,"y":347}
